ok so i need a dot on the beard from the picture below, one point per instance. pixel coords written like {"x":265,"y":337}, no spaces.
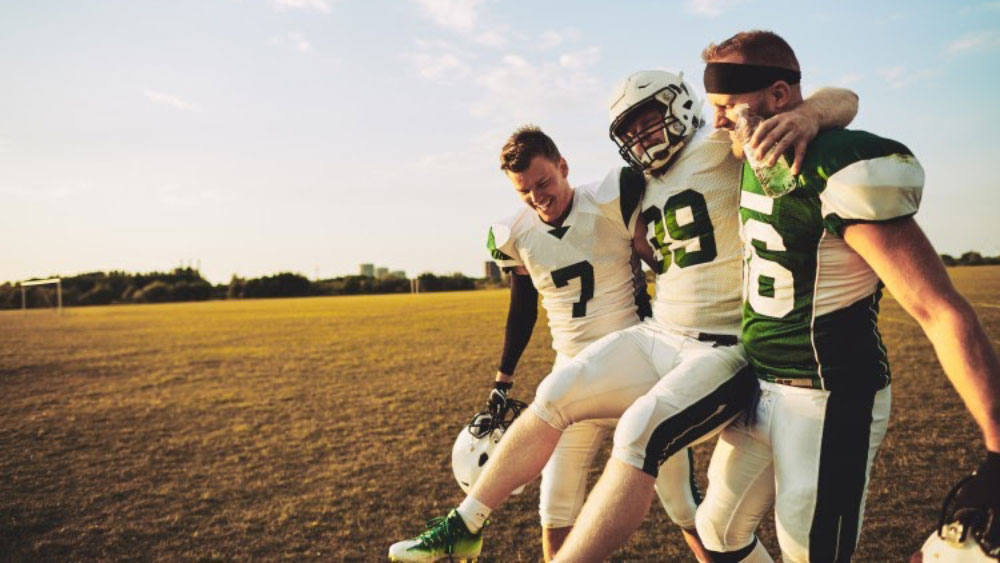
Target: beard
{"x":735,"y":145}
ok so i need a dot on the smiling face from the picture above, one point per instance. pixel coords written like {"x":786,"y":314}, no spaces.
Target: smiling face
{"x":544,"y":186}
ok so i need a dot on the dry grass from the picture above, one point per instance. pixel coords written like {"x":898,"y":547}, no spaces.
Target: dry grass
{"x":321,"y":429}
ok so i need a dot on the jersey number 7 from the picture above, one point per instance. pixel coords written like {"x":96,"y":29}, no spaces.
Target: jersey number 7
{"x":585,"y":272}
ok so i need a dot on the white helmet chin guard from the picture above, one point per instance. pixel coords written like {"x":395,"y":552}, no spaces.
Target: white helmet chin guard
{"x":961,"y":535}
{"x":681,"y":117}
{"x":477,"y":442}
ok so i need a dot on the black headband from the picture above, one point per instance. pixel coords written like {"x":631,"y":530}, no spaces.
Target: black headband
{"x":736,"y":78}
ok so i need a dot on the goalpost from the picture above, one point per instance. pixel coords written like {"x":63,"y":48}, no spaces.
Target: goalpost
{"x":24,"y":292}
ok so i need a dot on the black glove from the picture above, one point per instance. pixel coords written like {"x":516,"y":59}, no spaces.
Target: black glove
{"x":977,"y":504}
{"x":497,"y":401}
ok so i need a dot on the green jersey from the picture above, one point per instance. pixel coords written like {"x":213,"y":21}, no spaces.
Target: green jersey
{"x":810,"y":302}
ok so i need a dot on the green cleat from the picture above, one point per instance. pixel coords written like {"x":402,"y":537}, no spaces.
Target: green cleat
{"x":445,"y":539}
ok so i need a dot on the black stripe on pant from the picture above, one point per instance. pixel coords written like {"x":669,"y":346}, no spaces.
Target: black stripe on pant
{"x":706,"y":414}
{"x":692,"y":482}
{"x":840,"y":486}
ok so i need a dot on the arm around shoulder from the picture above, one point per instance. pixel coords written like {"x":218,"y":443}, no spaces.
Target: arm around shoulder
{"x":832,"y":107}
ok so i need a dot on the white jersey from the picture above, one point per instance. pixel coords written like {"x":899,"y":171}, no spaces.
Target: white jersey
{"x":583,"y":269}
{"x":692,"y":219}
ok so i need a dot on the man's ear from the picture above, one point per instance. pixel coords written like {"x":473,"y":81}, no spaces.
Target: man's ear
{"x":779,"y":96}
{"x":563,"y":167}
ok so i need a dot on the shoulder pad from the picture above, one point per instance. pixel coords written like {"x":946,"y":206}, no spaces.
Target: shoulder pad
{"x":867,"y":178}
{"x":878,"y":189}
{"x":623,"y":186}
{"x":500,"y":243}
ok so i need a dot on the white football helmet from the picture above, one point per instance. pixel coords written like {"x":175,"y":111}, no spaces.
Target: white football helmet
{"x":477,"y":441}
{"x":937,"y":549}
{"x":681,"y":116}
{"x":961,"y":535}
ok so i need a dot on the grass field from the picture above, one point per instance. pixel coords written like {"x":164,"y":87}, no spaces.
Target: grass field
{"x":321,"y":429}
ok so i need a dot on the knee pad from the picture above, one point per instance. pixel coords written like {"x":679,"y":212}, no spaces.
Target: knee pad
{"x":557,"y":391}
{"x":717,"y":535}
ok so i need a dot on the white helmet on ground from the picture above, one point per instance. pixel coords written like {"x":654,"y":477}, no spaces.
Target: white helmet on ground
{"x":477,"y":442}
{"x":963,"y":535}
{"x":939,"y":550}
{"x":681,"y":116}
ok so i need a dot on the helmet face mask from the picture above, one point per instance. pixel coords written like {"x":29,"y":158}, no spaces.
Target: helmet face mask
{"x":652,"y":147}
{"x":676,"y":103}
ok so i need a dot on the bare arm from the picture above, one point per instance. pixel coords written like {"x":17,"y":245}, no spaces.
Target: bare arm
{"x":824,"y":109}
{"x":641,"y":245}
{"x":521,"y":317}
{"x":904,"y":259}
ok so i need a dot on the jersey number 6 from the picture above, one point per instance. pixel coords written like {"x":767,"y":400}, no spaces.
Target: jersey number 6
{"x":585,"y":272}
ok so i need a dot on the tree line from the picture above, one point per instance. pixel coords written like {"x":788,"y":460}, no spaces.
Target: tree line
{"x":970,"y":259}
{"x":187,"y":284}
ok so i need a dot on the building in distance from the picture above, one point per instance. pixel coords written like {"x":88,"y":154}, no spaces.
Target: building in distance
{"x":492,"y":271}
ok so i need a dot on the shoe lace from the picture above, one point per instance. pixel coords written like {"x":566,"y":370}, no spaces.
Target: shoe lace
{"x":439,"y":532}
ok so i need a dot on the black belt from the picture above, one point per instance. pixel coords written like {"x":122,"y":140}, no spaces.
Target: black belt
{"x":722,"y":339}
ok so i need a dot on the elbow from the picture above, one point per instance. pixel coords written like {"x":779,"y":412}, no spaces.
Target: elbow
{"x":947,"y":312}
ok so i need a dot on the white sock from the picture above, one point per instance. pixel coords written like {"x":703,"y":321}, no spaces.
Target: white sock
{"x":474,"y":513}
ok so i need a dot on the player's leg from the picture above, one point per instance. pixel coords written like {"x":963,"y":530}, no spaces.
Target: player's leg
{"x":824,"y":444}
{"x":619,"y":501}
{"x":600,"y":382}
{"x":706,"y":389}
{"x":679,"y":496}
{"x":740,"y":488}
{"x":564,"y":480}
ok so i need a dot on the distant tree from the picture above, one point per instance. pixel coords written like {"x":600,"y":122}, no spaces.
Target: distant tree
{"x":429,"y":282}
{"x":128,"y":295}
{"x":99,"y":294}
{"x":948,"y":260}
{"x":156,"y":292}
{"x":971,"y":258}
{"x":280,"y":285}
{"x":199,"y":290}
{"x":455,"y":282}
{"x":235,"y":290}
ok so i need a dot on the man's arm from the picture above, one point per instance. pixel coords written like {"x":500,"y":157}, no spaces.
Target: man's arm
{"x":824,"y":109}
{"x":641,"y":245}
{"x":904,"y":259}
{"x":521,"y":317}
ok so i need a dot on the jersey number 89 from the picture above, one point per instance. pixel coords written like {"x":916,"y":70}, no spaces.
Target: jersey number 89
{"x":665,"y":223}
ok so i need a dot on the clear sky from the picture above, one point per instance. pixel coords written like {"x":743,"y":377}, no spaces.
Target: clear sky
{"x":259,"y":136}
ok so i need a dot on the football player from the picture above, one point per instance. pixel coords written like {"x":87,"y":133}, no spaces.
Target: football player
{"x":574,"y":247}
{"x":684,"y":371}
{"x":816,"y":261}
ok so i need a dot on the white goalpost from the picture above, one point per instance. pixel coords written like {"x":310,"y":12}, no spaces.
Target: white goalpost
{"x":24,"y":292}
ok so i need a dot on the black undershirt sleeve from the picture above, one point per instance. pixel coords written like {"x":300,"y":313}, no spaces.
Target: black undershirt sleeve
{"x":520,"y":321}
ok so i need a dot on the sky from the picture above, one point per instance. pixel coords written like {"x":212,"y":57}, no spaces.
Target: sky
{"x":251,"y":137}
